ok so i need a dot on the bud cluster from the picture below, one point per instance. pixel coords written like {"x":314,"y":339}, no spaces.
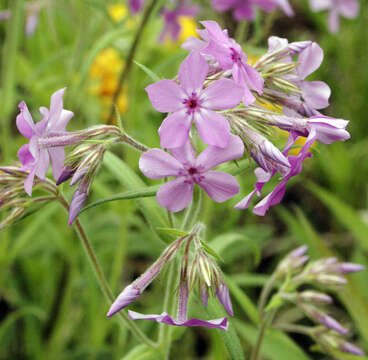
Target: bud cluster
{"x":325,"y":273}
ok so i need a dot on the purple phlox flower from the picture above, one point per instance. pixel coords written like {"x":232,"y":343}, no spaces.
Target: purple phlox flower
{"x":182,"y":316}
{"x":266,"y":154}
{"x":275,"y":197}
{"x":223,"y":295}
{"x":5,"y":15}
{"x":345,"y":8}
{"x":33,"y":12}
{"x":330,"y":322}
{"x":245,"y":9}
{"x":135,"y":289}
{"x":36,"y":155}
{"x":176,"y":194}
{"x":136,"y":5}
{"x":190,"y":102}
{"x":350,"y":348}
{"x":230,"y":56}
{"x":171,"y":19}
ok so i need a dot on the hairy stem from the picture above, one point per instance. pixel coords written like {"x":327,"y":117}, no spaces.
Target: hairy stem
{"x":129,"y":61}
{"x":102,"y":280}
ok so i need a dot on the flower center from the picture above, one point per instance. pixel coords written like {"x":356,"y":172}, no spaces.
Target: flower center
{"x":235,"y":56}
{"x":192,"y":103}
{"x":192,"y":171}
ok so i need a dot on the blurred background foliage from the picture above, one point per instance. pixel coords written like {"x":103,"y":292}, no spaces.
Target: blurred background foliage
{"x":50,"y":304}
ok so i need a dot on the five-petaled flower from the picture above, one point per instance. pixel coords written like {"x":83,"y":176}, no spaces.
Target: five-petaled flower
{"x":191,"y":101}
{"x":176,"y":194}
{"x":36,"y":155}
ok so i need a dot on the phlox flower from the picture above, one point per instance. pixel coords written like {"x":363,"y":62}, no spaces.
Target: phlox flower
{"x":36,"y":155}
{"x":346,"y":8}
{"x":228,"y":53}
{"x":245,"y":9}
{"x":190,"y":101}
{"x":136,"y":5}
{"x":171,"y":18}
{"x":314,"y":94}
{"x":176,"y":194}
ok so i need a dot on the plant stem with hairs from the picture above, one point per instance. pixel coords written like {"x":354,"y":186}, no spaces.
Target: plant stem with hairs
{"x":102,"y":280}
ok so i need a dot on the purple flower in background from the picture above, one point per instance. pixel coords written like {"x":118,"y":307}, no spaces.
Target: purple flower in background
{"x":171,"y":19}
{"x":36,"y":155}
{"x":245,"y":9}
{"x":190,"y":101}
{"x":176,"y":194}
{"x":230,"y":56}
{"x":346,"y":8}
{"x":136,"y":5}
{"x":5,"y":15}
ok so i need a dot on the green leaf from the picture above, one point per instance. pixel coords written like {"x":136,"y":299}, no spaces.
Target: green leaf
{"x":148,"y":71}
{"x":220,"y":243}
{"x":229,"y":337}
{"x":134,"y":194}
{"x":142,"y":352}
{"x":210,"y":251}
{"x":173,"y":232}
{"x":275,"y":346}
{"x":346,"y":215}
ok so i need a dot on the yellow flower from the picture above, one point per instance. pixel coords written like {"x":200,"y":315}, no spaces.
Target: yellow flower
{"x":107,"y":62}
{"x":117,"y":12}
{"x":188,"y":28}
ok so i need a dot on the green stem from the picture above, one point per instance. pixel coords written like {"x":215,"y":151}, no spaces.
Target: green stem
{"x":102,"y":280}
{"x":129,"y":61}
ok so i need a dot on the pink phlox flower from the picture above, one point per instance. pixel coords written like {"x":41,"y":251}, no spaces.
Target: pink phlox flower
{"x":245,"y":9}
{"x":314,"y":94}
{"x":345,"y":8}
{"x":230,"y":56}
{"x":136,"y":5}
{"x":190,"y":101}
{"x":35,"y":156}
{"x":263,"y":177}
{"x":176,"y":194}
{"x":171,"y":19}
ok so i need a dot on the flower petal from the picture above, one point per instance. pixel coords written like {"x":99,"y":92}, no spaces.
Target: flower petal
{"x":175,"y":195}
{"x":185,"y":154}
{"x":315,"y":93}
{"x":222,"y":94}
{"x":174,"y":130}
{"x":43,"y":163}
{"x":245,"y":202}
{"x":192,"y":73}
{"x":219,"y":186}
{"x":78,"y":199}
{"x":214,"y":155}
{"x":24,"y":121}
{"x":25,"y":156}
{"x":212,"y":128}
{"x":157,"y":164}
{"x":128,"y":295}
{"x":57,"y":155}
{"x":56,"y":107}
{"x":165,"y":95}
{"x":310,"y":59}
{"x":28,"y":183}
{"x":164,"y":318}
{"x":273,"y":198}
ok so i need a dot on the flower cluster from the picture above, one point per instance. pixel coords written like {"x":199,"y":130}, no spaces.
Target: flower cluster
{"x":245,"y":9}
{"x":336,"y":8}
{"x":223,"y":95}
{"x":327,"y":273}
{"x":197,"y":270}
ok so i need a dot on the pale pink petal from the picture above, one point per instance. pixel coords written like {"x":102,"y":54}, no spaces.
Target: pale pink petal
{"x":166,"y":96}
{"x":212,"y":127}
{"x":192,"y":73}
{"x":25,"y":156}
{"x":185,"y":154}
{"x":214,"y":155}
{"x":310,"y":59}
{"x":176,"y":194}
{"x":57,"y":156}
{"x":56,"y":107}
{"x":174,"y":130}
{"x":63,"y":120}
{"x":219,"y":186}
{"x":43,"y":163}
{"x":24,"y":121}
{"x":315,"y":93}
{"x":271,"y":199}
{"x":157,"y":164}
{"x":222,"y":94}
{"x":245,"y":202}
{"x":28,"y":183}
{"x":334,"y":20}
{"x":349,"y":8}
{"x":319,"y":5}
{"x":164,"y":318}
